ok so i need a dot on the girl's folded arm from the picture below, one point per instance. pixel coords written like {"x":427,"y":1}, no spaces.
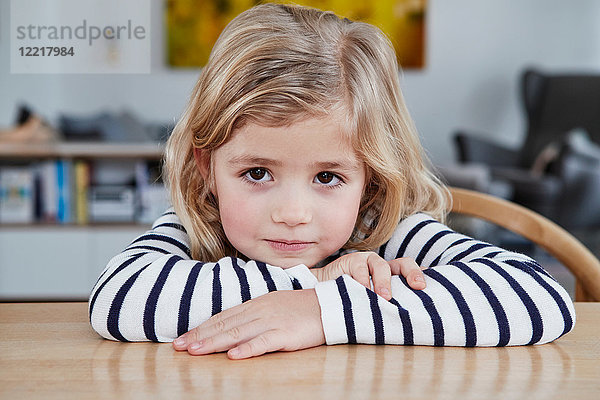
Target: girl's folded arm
{"x":154,"y":291}
{"x":477,"y":295}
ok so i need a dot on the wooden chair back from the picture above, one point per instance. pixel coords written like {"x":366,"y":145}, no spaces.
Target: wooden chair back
{"x":538,"y":229}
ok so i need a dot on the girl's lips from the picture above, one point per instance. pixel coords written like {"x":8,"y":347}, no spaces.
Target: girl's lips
{"x":288,"y":246}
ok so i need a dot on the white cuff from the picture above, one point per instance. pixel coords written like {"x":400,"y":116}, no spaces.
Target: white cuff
{"x":332,"y":313}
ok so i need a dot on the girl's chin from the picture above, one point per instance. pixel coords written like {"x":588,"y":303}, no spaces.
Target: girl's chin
{"x":285,"y":264}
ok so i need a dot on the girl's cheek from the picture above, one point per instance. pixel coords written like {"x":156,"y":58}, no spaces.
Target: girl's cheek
{"x":341,"y":213}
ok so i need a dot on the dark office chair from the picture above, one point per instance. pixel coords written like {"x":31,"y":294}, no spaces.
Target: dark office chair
{"x":554,"y":174}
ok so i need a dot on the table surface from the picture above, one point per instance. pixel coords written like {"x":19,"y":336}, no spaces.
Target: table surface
{"x":48,"y":350}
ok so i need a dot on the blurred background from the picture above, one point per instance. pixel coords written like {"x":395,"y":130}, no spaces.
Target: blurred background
{"x":505,"y":95}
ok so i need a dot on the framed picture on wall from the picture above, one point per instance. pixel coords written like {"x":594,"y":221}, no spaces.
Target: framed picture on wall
{"x":193,"y":26}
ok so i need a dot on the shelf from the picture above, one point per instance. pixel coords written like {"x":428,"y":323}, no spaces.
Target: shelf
{"x":81,"y":150}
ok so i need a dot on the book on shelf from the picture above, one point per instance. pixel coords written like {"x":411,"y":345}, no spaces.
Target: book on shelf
{"x":81,"y":189}
{"x":63,"y":183}
{"x":47,"y":173}
{"x":16,"y":195}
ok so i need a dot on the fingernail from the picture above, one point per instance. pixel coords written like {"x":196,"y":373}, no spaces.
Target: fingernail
{"x":179,"y":341}
{"x":384,"y":292}
{"x":419,"y":278}
{"x":234,"y":352}
{"x":196,"y":346}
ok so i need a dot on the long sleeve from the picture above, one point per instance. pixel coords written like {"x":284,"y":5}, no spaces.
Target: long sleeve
{"x":477,"y":295}
{"x":153,"y":290}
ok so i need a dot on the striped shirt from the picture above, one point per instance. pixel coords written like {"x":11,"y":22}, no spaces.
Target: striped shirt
{"x":476,"y":295}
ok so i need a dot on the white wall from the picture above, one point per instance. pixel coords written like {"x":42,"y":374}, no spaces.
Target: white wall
{"x":475,"y":51}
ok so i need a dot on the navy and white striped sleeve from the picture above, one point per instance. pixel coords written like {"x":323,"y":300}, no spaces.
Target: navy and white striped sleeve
{"x":153,"y":290}
{"x":477,"y":295}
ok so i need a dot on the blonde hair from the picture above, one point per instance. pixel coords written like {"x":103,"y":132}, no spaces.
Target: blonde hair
{"x":277,"y":64}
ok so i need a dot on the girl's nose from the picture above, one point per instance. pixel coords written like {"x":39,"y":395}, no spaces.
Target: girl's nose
{"x":292,"y":211}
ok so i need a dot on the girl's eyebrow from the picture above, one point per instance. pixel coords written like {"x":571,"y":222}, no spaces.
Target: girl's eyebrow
{"x":342,"y":165}
{"x":247,"y":159}
{"x":345,"y":164}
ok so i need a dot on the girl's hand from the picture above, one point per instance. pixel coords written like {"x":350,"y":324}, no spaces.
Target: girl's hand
{"x":367,"y":265}
{"x":285,"y":320}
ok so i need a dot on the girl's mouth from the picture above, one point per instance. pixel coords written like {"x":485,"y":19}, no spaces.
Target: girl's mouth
{"x":288,"y":245}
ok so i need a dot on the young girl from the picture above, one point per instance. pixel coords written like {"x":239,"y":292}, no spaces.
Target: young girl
{"x":296,"y":178}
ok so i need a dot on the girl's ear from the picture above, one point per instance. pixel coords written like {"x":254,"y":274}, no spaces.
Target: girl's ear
{"x":202,"y":158}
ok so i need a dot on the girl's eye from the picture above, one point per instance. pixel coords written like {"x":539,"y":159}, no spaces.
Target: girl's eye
{"x":258,"y":175}
{"x":327,"y":179}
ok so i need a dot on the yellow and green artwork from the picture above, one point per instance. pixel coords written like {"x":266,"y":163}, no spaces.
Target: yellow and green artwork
{"x":193,"y":26}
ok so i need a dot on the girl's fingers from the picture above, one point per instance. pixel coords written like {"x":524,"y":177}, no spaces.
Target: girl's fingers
{"x":264,"y":343}
{"x":408,"y":268}
{"x":381,"y":274}
{"x":228,"y":339}
{"x":216,"y":324}
{"x":358,"y":268}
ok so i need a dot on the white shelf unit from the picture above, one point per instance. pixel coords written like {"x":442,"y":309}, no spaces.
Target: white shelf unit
{"x":45,"y":261}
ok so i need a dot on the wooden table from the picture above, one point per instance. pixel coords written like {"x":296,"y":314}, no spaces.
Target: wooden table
{"x":48,"y":350}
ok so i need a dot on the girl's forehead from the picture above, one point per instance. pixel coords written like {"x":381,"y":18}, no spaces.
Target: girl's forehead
{"x":333,"y":115}
{"x":335,"y":119}
{"x":310,"y":138}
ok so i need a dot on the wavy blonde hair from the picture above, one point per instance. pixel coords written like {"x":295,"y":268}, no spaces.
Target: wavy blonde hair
{"x":277,"y":64}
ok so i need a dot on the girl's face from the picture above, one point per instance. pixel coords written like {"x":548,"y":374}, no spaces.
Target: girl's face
{"x":289,"y":195}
